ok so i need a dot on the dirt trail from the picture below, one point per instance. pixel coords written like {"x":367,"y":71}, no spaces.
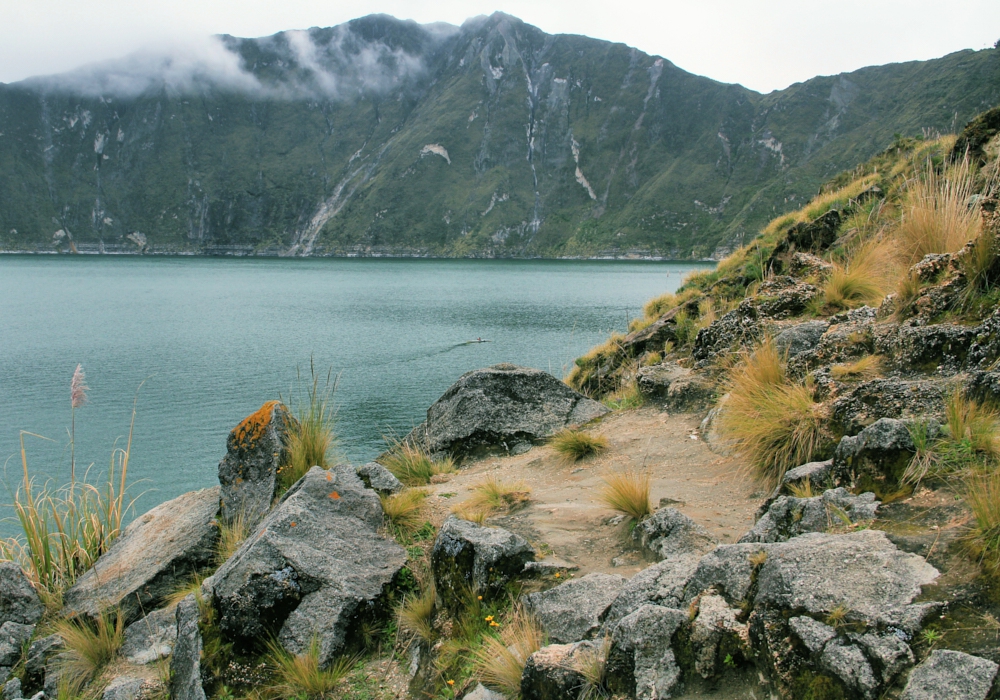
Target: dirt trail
{"x":565,"y":518}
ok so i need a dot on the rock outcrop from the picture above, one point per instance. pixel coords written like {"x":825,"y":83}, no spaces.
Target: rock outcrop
{"x":641,"y":662}
{"x":315,"y":567}
{"x":156,"y":553}
{"x":788,"y":516}
{"x":255,"y":451}
{"x":379,"y":479}
{"x":668,"y":532}
{"x":185,"y":664}
{"x":677,"y":388}
{"x":150,"y":639}
{"x":574,"y":610}
{"x":504,"y":408}
{"x":554,"y":672}
{"x":949,"y":675}
{"x":18,"y":601}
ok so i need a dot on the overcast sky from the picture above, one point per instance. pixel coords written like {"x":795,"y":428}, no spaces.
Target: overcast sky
{"x":763,"y":45}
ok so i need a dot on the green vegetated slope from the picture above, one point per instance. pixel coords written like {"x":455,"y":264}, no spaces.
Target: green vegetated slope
{"x":493,"y":139}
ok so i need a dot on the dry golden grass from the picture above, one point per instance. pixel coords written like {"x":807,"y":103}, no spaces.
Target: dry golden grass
{"x":412,"y":466}
{"x":310,"y":437}
{"x":822,"y":203}
{"x":574,"y":445}
{"x":627,"y":492}
{"x":982,"y":493}
{"x":232,"y":534}
{"x":592,"y":664}
{"x":416,"y":614}
{"x":492,"y":495}
{"x":863,"y":279}
{"x":404,"y":510}
{"x":301,"y":675}
{"x":974,"y":424}
{"x":500,"y":660}
{"x":868,"y":367}
{"x":774,"y":423}
{"x":89,"y":646}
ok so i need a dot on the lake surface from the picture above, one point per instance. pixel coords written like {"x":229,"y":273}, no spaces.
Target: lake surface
{"x":211,"y":339}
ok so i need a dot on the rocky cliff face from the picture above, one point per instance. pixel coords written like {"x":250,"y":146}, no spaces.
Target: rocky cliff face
{"x":493,"y":139}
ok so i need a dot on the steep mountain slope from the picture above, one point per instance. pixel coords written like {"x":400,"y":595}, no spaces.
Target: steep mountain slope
{"x":382,"y":136}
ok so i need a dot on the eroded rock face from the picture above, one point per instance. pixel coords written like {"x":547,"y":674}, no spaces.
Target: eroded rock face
{"x":124,"y":688}
{"x":150,"y":639}
{"x":379,"y":479}
{"x":800,"y":338}
{"x":788,"y":516}
{"x":553,"y":672}
{"x":949,"y":675}
{"x":504,"y":408}
{"x":314,"y":567}
{"x":677,"y":388}
{"x":156,"y":553}
{"x":883,"y":449}
{"x":716,"y":624}
{"x":574,"y":610}
{"x":255,"y":450}
{"x":185,"y":664}
{"x":641,"y":662}
{"x":668,"y":532}
{"x":18,"y":601}
{"x":661,"y":584}
{"x":889,"y":398}
{"x":473,"y":558}
{"x":13,"y":635}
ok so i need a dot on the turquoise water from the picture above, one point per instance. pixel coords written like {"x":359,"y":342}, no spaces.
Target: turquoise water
{"x":210,"y":340}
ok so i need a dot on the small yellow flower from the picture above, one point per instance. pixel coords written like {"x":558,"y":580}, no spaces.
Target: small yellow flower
{"x":451,"y":682}
{"x":494,"y":624}
{"x":489,"y":618}
{"x":558,"y":574}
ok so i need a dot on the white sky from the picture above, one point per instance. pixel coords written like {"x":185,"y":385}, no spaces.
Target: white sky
{"x":763,"y":45}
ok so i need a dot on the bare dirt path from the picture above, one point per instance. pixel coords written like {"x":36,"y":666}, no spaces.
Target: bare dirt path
{"x":565,"y":518}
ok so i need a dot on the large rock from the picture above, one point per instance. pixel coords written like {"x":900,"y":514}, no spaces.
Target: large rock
{"x":150,"y":639}
{"x":949,"y":675}
{"x":789,"y":517}
{"x":729,"y":569}
{"x":473,"y":559}
{"x":574,"y":611}
{"x":554,"y":672}
{"x":800,"y":338}
{"x":880,"y":451}
{"x":13,"y":635}
{"x":641,"y":662}
{"x":124,"y":688}
{"x":504,"y":408}
{"x":379,"y":479}
{"x":661,"y":584}
{"x":481,"y":692}
{"x":156,"y":553}
{"x":18,"y":600}
{"x":40,"y":668}
{"x":716,"y":627}
{"x":185,"y":664}
{"x":677,"y":388}
{"x":668,"y":532}
{"x":255,"y":450}
{"x":889,"y":398}
{"x":315,"y":567}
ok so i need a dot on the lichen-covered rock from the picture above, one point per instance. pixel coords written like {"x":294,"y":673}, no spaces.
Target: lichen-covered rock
{"x":641,"y":662}
{"x":813,"y":634}
{"x":503,"y":408}
{"x":934,"y":348}
{"x":476,"y":558}
{"x":379,"y":479}
{"x":818,"y":474}
{"x":985,"y":349}
{"x":846,"y":663}
{"x":661,"y":584}
{"x":39,"y":668}
{"x":255,"y":450}
{"x":18,"y":601}
{"x":157,"y":552}
{"x":124,"y":688}
{"x":949,"y":675}
{"x":574,"y":610}
{"x":677,"y":388}
{"x":668,"y":532}
{"x":151,"y":638}
{"x":715,"y":621}
{"x":889,"y":654}
{"x":481,"y":692}
{"x":554,"y":671}
{"x":315,"y":567}
{"x":13,"y":635}
{"x":12,"y":690}
{"x":804,"y":265}
{"x":809,"y":236}
{"x":889,"y":398}
{"x":729,"y":569}
{"x":185,"y":664}
{"x":800,"y":338}
{"x":788,"y":516}
{"x":882,"y":450}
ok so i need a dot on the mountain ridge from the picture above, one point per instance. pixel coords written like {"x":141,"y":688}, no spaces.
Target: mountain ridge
{"x":493,"y":139}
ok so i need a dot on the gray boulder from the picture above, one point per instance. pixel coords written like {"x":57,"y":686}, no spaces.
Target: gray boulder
{"x":813,"y":634}
{"x":660,"y":584}
{"x":789,"y":517}
{"x":949,"y":675}
{"x":18,"y":600}
{"x":574,"y":610}
{"x":889,"y":654}
{"x":12,"y":689}
{"x":668,"y":532}
{"x":151,"y":638}
{"x":641,"y":662}
{"x":677,"y":388}
{"x":729,"y":569}
{"x":157,"y":552}
{"x":255,"y":450}
{"x":185,"y":664}
{"x":39,"y":669}
{"x":848,"y":665}
{"x":503,"y":408}
{"x":481,"y":692}
{"x":816,"y":473}
{"x":553,"y":672}
{"x":467,"y":557}
{"x":889,"y":398}
{"x":124,"y":688}
{"x":13,"y":636}
{"x":716,"y":622}
{"x":797,"y":339}
{"x":883,"y":449}
{"x":316,"y":567}
{"x":379,"y":479}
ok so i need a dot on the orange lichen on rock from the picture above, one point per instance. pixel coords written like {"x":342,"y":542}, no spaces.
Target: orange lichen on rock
{"x":334,"y":495}
{"x":246,"y":434}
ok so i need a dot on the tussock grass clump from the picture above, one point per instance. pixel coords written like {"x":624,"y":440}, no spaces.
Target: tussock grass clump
{"x":973,"y":425}
{"x":937,"y":217}
{"x":774,"y":423}
{"x":301,"y":675}
{"x":89,"y":646}
{"x":500,"y":660}
{"x":861,"y":280}
{"x":491,"y":495}
{"x":311,"y":439}
{"x":627,"y":492}
{"x":416,"y":614}
{"x":413,"y":466}
{"x":404,"y":510}
{"x":574,"y":445}
{"x":868,"y":367}
{"x":982,"y":493}
{"x":969,"y":442}
{"x":232,"y":534}
{"x":592,"y":664}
